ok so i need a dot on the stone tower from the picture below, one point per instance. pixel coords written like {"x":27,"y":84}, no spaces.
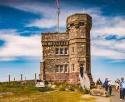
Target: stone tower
{"x":67,"y":55}
{"x":78,"y":28}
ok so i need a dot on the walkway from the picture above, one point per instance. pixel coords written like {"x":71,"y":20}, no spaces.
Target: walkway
{"x":98,"y":98}
{"x":102,"y":99}
{"x":115,"y":97}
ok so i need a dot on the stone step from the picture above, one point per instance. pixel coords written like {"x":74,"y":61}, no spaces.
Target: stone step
{"x":91,"y":80}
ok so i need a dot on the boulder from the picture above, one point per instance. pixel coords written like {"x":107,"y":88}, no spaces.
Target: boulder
{"x":98,"y":92}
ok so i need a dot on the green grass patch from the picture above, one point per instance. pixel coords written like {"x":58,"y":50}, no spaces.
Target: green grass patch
{"x":27,"y":92}
{"x":55,"y":96}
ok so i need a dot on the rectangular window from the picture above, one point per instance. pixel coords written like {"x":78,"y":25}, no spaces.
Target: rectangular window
{"x":72,"y":49}
{"x":57,"y":51}
{"x":61,"y":68}
{"x":66,"y":68}
{"x":57,"y":68}
{"x":81,"y":23}
{"x":61,"y":50}
{"x":73,"y":69}
{"x":66,"y":51}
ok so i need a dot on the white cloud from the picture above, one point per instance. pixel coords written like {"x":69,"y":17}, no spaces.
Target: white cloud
{"x":102,"y":26}
{"x":19,"y":46}
{"x":108,"y":25}
{"x":113,"y":49}
{"x":50,"y":19}
{"x":48,"y":13}
{"x":108,"y":53}
{"x":43,"y":23}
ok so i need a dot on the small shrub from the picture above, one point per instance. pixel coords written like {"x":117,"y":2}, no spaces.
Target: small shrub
{"x":46,"y":82}
{"x":72,"y":88}
{"x":44,"y":89}
{"x":80,"y":89}
{"x":61,"y":88}
{"x":86,"y":91}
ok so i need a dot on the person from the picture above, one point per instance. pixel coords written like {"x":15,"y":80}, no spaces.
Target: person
{"x":110,"y":87}
{"x":105,"y":85}
{"x":99,"y":82}
{"x":122,"y":89}
{"x":117,"y":86}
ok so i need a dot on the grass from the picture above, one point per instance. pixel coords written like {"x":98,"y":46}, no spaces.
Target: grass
{"x":55,"y":96}
{"x":28,"y":93}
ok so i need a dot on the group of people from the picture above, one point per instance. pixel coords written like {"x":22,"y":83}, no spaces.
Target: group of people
{"x":119,"y":87}
{"x":108,"y":86}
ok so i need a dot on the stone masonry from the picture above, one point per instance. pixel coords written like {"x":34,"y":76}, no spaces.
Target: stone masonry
{"x":67,"y":55}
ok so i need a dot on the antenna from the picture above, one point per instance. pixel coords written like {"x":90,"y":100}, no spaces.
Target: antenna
{"x":58,"y":14}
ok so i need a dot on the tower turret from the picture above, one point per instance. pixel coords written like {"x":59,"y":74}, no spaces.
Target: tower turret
{"x":78,"y":28}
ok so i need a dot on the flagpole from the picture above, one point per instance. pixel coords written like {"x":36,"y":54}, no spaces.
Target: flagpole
{"x":58,"y":14}
{"x":58,"y":20}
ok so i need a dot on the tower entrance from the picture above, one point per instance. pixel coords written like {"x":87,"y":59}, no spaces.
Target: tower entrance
{"x":81,"y":70}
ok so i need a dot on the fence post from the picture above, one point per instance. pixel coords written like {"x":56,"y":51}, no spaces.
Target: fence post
{"x":21,"y":76}
{"x":9,"y":78}
{"x":25,"y":81}
{"x":14,"y":79}
{"x":35,"y":78}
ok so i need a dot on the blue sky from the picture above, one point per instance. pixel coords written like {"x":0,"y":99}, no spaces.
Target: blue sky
{"x":22,"y":21}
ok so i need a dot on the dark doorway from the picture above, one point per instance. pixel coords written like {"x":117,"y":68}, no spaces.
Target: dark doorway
{"x":81,"y":70}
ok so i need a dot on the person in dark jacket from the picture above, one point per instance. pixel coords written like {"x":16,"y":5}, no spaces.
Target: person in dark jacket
{"x":109,"y":87}
{"x":105,"y":85}
{"x":122,"y":89}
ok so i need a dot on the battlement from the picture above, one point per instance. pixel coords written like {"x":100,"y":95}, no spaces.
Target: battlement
{"x":79,"y":19}
{"x":50,"y":33}
{"x":54,"y":36}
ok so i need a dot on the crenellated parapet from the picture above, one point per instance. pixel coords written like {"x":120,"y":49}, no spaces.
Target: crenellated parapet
{"x":78,"y":20}
{"x":55,"y":43}
{"x":54,"y":36}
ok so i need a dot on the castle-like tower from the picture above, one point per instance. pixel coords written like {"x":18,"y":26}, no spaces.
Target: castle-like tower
{"x":67,"y":55}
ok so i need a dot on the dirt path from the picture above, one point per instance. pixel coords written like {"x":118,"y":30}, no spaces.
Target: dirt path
{"x":102,"y":99}
{"x":98,"y":98}
{"x":115,"y":97}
